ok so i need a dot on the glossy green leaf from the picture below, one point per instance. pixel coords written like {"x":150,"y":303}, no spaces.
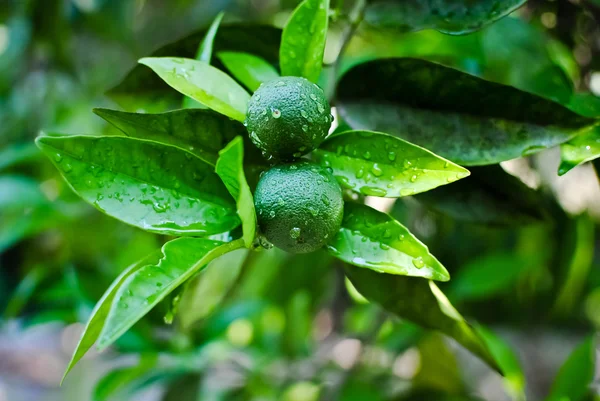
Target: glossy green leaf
{"x":303,"y":40}
{"x":421,"y":302}
{"x":579,"y":150}
{"x":453,"y":114}
{"x":230,"y":167}
{"x":141,"y":89}
{"x":148,"y":285}
{"x":202,"y":82}
{"x":98,"y":316}
{"x":205,"y":50}
{"x":576,"y":374}
{"x":247,"y":68}
{"x":156,"y":187}
{"x":210,"y":286}
{"x":455,"y":17}
{"x":374,"y":240}
{"x":488,"y":196}
{"x":202,"y":132}
{"x":514,"y":377}
{"x":378,"y":164}
{"x":489,"y":275}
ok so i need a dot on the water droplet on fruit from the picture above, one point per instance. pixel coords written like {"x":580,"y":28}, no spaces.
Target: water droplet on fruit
{"x":303,"y":113}
{"x":295,"y":233}
{"x":313,"y":97}
{"x":305,"y":128}
{"x":276,"y":113}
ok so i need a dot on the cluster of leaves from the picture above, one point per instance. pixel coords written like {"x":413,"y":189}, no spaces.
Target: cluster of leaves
{"x":408,"y":123}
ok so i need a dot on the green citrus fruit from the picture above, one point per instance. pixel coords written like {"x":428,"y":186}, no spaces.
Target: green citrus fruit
{"x":288,"y":117}
{"x":299,"y":206}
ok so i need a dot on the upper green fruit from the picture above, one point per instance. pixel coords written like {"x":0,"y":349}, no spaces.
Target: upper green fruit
{"x":288,"y":117}
{"x":299,"y":206}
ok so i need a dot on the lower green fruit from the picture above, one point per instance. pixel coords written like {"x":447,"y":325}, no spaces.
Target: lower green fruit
{"x":299,"y":206}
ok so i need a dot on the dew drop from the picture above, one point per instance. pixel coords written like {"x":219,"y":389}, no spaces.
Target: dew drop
{"x":313,"y":97}
{"x":276,"y":113}
{"x":303,"y":113}
{"x":376,"y":170}
{"x":367,"y":155}
{"x":418,"y":262}
{"x":392,"y":156}
{"x":413,"y":178}
{"x":58,"y":157}
{"x":295,"y":233}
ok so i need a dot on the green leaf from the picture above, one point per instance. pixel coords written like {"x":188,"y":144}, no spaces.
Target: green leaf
{"x":156,"y":187}
{"x":98,"y":316}
{"x":22,"y":293}
{"x":421,"y":302}
{"x":18,"y":153}
{"x":489,"y":196}
{"x":438,"y":367}
{"x":201,"y":132}
{"x":303,"y":40}
{"x":508,"y":361}
{"x":455,"y":115}
{"x":25,"y":210}
{"x":205,"y":50}
{"x":455,"y":17}
{"x":118,"y":380}
{"x":204,"y":53}
{"x":378,"y":164}
{"x":141,"y":89}
{"x":210,"y":286}
{"x":489,"y":275}
{"x":202,"y":82}
{"x":374,"y":240}
{"x":247,"y":68}
{"x":579,"y":150}
{"x":148,"y":285}
{"x":230,"y":167}
{"x":576,"y":374}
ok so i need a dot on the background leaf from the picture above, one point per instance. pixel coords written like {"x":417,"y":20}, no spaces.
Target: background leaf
{"x":206,"y":291}
{"x":116,"y":381}
{"x":205,"y":50}
{"x":202,"y":132}
{"x":579,"y":150}
{"x":144,"y":183}
{"x":488,"y":196}
{"x":421,"y":302}
{"x":247,"y":68}
{"x":374,"y":240}
{"x":142,"y":89}
{"x":303,"y":40}
{"x":230,"y":167}
{"x":204,"y":53}
{"x":508,"y":361}
{"x":453,"y":114}
{"x":98,"y":316}
{"x":378,"y":164}
{"x":202,"y":82}
{"x":455,"y":17}
{"x":148,"y":285}
{"x":576,"y":375}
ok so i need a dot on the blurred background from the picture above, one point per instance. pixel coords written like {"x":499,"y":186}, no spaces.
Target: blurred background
{"x":286,"y":328}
